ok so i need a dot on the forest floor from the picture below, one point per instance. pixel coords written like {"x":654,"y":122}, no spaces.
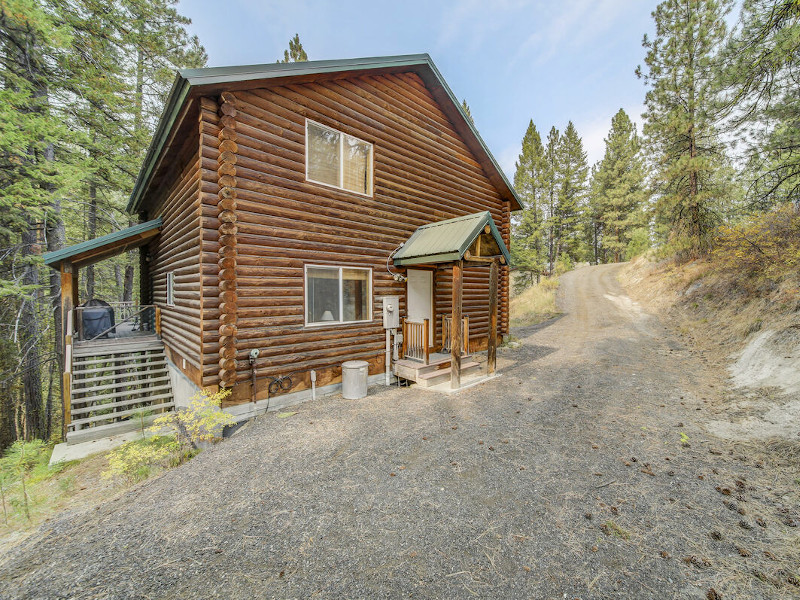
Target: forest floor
{"x":588,"y":470}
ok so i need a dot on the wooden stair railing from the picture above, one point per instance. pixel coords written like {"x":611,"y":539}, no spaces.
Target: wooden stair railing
{"x":446,"y":334}
{"x":416,"y":344}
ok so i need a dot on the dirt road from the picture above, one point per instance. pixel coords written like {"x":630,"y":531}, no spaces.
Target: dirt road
{"x":584,"y":472}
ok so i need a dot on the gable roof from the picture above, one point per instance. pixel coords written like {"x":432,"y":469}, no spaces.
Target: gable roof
{"x":192,"y":83}
{"x":446,"y":241}
{"x":92,"y":251}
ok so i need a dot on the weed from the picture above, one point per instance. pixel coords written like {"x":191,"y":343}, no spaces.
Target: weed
{"x":685,"y":440}
{"x":611,"y":528}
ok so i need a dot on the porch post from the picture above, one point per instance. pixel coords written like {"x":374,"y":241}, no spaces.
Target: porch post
{"x":455,"y":328}
{"x":492,"y":345}
{"x":69,"y":299}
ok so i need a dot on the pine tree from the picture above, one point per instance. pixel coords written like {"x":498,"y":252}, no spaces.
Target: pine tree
{"x":465,"y":109}
{"x":618,"y":188}
{"x":528,"y":247}
{"x":551,"y":165}
{"x":680,"y":119}
{"x":571,"y":177}
{"x":295,"y":53}
{"x":760,"y":68}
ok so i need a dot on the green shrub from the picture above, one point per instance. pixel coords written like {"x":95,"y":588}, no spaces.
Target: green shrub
{"x":133,"y":461}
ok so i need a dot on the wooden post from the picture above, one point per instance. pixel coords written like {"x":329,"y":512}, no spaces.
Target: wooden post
{"x":455,"y":330}
{"x":492,"y":345}
{"x":69,"y":293}
{"x":157,"y":321}
{"x":425,"y":341}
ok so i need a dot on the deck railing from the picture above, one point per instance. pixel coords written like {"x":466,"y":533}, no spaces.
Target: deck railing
{"x":129,"y":320}
{"x":416,"y":343}
{"x":446,"y":334}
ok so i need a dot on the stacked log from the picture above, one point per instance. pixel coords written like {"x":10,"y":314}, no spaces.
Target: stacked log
{"x":228,"y":229}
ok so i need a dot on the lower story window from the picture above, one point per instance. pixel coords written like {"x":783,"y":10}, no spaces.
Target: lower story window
{"x":171,"y":288}
{"x":338,"y":295}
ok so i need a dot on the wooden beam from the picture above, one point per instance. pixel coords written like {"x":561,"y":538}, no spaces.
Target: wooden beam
{"x":455,"y":329}
{"x":69,"y":293}
{"x":492,"y":345}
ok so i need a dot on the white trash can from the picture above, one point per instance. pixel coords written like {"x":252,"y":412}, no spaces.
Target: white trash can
{"x":354,"y":379}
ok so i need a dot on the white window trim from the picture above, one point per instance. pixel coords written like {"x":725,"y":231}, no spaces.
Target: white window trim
{"x":341,"y":294}
{"x":371,"y":185}
{"x":170,"y":295}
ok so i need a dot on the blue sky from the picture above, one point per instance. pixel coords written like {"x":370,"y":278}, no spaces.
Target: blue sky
{"x":513,"y":60}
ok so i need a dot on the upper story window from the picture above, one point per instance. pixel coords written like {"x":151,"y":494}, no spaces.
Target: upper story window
{"x":337,"y":159}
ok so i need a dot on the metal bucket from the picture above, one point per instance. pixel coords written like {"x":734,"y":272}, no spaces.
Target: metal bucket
{"x":354,"y":379}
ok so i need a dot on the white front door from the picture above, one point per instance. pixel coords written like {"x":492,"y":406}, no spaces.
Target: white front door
{"x":420,"y":298}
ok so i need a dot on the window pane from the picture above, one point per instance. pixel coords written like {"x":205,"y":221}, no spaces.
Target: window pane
{"x":322,"y":293}
{"x":355,"y":294}
{"x":323,"y":154}
{"x":357,"y":165}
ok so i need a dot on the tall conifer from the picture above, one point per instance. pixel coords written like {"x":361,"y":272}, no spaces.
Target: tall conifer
{"x":680,"y":118}
{"x":618,"y":188}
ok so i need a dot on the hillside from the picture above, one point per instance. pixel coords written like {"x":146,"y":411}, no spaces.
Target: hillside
{"x":750,"y":327}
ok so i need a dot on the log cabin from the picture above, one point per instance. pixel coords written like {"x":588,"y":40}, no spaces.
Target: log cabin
{"x":287,"y":213}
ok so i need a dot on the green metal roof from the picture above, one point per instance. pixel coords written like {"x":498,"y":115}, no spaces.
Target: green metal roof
{"x":92,"y":251}
{"x":447,"y":241}
{"x":192,"y":82}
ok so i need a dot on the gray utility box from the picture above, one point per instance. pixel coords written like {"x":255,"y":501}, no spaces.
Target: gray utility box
{"x":354,"y":379}
{"x":391,"y":312}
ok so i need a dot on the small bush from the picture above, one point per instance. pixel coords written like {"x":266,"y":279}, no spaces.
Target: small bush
{"x":763,"y":250}
{"x":133,"y":461}
{"x":202,"y":421}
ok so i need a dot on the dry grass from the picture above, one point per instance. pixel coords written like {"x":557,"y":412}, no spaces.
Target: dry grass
{"x":535,"y":304}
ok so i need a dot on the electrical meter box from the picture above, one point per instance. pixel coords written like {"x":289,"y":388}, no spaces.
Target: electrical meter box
{"x":391,"y":312}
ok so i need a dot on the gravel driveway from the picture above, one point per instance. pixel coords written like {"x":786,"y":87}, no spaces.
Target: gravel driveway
{"x":564,"y":478}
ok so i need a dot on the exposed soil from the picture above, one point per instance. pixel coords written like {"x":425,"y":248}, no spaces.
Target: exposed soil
{"x":568,"y":477}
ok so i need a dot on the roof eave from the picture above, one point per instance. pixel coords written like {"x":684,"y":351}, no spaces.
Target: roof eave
{"x":194,"y":80}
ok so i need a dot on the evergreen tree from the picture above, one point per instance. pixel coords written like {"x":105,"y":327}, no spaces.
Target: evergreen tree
{"x":528,"y":249}
{"x":760,"y":69}
{"x":618,"y":189}
{"x":571,"y":177}
{"x":295,"y":53}
{"x":551,"y":165}
{"x":680,"y":119}
{"x":83,"y":83}
{"x":467,"y":111}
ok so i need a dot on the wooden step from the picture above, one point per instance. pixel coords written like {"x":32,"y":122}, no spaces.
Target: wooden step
{"x":89,"y":409}
{"x":116,"y":358}
{"x":122,"y":366}
{"x":90,"y":350}
{"x":101,"y":431}
{"x":134,"y":374}
{"x":136,"y":381}
{"x":141,"y":390}
{"x":115,"y":415}
{"x":436,"y":377}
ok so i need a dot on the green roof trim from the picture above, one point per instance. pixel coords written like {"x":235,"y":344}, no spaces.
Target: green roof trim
{"x":113,"y":240}
{"x":447,"y":241}
{"x":213,"y":78}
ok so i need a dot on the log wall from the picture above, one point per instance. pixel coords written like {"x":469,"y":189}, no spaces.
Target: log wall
{"x":177,"y":202}
{"x":252,"y":168}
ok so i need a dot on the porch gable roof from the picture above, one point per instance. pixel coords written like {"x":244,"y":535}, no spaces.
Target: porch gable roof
{"x":92,"y":251}
{"x":447,"y":241}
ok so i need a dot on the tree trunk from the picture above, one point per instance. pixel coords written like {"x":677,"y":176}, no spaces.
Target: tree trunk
{"x":30,"y":338}
{"x":56,"y":237}
{"x":91,"y":233}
